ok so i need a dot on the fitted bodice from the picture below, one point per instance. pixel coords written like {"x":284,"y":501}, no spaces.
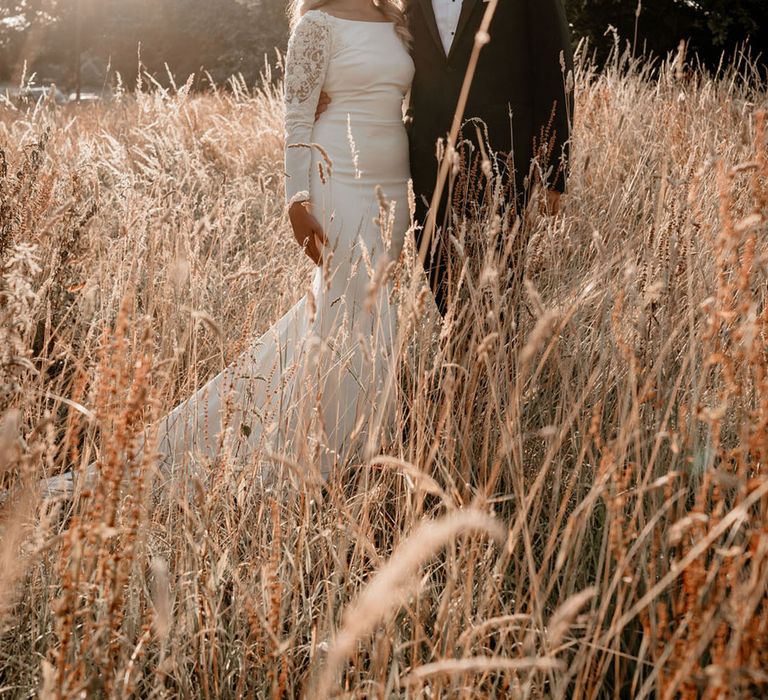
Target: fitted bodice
{"x":369,"y":73}
{"x":366,"y":71}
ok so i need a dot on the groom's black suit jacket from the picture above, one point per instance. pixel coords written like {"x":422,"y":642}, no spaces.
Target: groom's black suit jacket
{"x":518,"y":71}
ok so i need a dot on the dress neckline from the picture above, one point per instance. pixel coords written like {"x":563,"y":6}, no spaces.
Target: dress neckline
{"x":359,"y":21}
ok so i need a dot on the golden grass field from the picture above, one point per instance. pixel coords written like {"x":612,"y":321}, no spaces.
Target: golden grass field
{"x":618,"y":435}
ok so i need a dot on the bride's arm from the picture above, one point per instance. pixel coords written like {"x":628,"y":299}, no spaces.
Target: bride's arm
{"x":309,"y":53}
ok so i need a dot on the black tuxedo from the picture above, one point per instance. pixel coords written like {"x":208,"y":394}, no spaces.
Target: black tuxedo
{"x":519,"y":71}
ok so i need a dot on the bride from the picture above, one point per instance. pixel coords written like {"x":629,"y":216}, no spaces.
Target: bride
{"x":307,"y":392}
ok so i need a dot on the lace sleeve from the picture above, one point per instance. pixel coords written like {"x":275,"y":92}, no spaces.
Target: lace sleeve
{"x":309,"y":53}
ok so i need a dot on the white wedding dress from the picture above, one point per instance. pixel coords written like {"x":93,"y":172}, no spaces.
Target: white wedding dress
{"x":308,"y":389}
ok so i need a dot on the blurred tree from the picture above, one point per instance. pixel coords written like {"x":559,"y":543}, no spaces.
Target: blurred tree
{"x":728,"y":22}
{"x":710,"y":26}
{"x":49,"y":35}
{"x":22,"y":24}
{"x":220,"y":38}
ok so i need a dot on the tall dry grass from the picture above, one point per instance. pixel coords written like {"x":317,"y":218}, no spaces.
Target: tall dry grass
{"x":618,"y":434}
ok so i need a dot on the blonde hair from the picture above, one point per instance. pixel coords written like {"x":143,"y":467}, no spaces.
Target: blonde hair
{"x":391,"y":9}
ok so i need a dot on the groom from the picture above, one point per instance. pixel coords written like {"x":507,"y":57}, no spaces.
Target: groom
{"x":518,"y":92}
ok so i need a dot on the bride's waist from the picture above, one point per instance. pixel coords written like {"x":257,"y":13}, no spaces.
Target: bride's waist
{"x":359,"y":120}
{"x":378,"y":146}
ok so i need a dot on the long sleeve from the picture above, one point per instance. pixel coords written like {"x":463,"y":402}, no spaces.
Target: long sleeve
{"x":309,"y":53}
{"x":550,"y":35}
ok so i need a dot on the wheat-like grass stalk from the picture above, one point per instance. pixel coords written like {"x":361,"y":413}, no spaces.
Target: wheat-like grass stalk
{"x":391,"y":583}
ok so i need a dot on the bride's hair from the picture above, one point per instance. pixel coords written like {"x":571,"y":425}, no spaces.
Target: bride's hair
{"x":392,"y":9}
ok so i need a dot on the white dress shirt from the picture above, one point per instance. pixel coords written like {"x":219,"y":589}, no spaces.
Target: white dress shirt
{"x":447,"y":14}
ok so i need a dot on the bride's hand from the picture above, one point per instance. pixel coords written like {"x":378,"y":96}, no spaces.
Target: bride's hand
{"x":322,"y":104}
{"x":307,"y":230}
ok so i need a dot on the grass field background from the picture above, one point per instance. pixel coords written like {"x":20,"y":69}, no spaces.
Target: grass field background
{"x":618,"y":436}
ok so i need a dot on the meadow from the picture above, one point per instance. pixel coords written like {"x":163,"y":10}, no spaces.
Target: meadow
{"x":578,"y":507}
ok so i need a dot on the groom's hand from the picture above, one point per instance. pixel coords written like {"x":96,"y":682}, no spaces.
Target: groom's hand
{"x":544,"y":203}
{"x":307,"y":230}
{"x":553,"y":202}
{"x":322,"y":105}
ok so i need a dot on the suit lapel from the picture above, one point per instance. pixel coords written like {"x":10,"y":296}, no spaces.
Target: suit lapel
{"x":429,"y":16}
{"x":466,"y":12}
